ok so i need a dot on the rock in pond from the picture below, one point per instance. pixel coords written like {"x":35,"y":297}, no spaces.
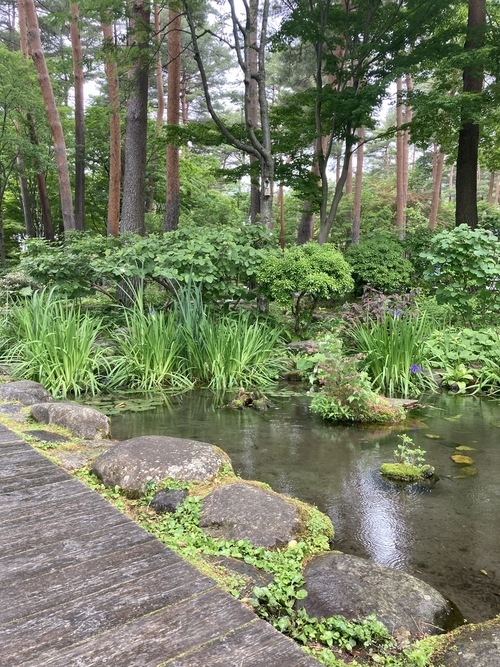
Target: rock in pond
{"x":354,"y":587}
{"x":472,"y":646}
{"x":25,"y":391}
{"x":243,"y":511}
{"x":83,"y":422}
{"x":132,"y":464}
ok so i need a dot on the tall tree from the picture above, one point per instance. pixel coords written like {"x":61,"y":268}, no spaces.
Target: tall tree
{"x":136,"y":121}
{"x":172,"y":208}
{"x":37,"y":54}
{"x":468,"y":142}
{"x":114,"y":185}
{"x":76,"y":48}
{"x":256,"y":141}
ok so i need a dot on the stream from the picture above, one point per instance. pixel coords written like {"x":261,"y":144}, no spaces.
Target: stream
{"x":448,"y":535}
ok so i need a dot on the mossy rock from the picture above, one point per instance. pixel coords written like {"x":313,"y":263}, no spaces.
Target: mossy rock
{"x":402,"y":472}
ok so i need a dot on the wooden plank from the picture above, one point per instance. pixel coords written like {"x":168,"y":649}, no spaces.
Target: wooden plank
{"x":78,"y":499}
{"x":28,"y":536}
{"x":154,"y":639}
{"x":33,"y":478}
{"x":77,"y":620}
{"x":25,"y":597}
{"x":28,"y":463}
{"x":257,"y":644}
{"x":7,"y":448}
{"x":8,"y":436}
{"x":23,"y":499}
{"x":72,"y":549}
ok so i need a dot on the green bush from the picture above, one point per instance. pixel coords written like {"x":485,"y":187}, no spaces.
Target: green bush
{"x":379,"y":261}
{"x":463,"y":269}
{"x":300,"y":276}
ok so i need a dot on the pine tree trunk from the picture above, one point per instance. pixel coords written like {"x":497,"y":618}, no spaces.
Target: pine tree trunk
{"x":253,"y":63}
{"x":76,"y":47}
{"x":468,"y":140}
{"x":491,"y":187}
{"x":115,"y":141}
{"x":36,"y":52}
{"x":172,"y":208}
{"x":136,"y":123}
{"x":400,"y":159}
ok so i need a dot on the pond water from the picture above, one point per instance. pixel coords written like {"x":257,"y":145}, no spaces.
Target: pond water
{"x":448,"y":536}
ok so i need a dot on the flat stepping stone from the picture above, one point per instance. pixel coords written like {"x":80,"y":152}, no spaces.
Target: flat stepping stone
{"x":135,"y":463}
{"x":25,"y":391}
{"x":243,"y":511}
{"x":83,"y":422}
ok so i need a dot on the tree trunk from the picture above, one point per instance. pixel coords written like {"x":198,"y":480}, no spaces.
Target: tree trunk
{"x":400,"y":158}
{"x":468,"y":141}
{"x":160,"y":112}
{"x":172,"y":208}
{"x":450,"y":182}
{"x":48,"y":228}
{"x":326,"y":226}
{"x":497,"y":193}
{"x":437,"y":177}
{"x":136,"y":123}
{"x":76,"y":47}
{"x":491,"y":187}
{"x":253,"y":63}
{"x":115,"y":149}
{"x":36,"y":52}
{"x":25,"y":198}
{"x":356,"y":218}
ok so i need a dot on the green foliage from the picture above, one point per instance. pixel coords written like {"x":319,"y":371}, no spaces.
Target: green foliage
{"x":303,"y":274}
{"x":466,"y":358}
{"x":53,"y":342}
{"x":394,"y":352}
{"x":408,"y":453}
{"x":410,"y":462}
{"x":463,"y":263}
{"x":379,"y":261}
{"x":346,"y":394}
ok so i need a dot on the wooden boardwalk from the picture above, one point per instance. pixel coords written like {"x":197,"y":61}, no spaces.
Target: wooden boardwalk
{"x":82,"y":585}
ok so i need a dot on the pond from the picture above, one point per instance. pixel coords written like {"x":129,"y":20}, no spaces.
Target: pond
{"x":448,"y":536}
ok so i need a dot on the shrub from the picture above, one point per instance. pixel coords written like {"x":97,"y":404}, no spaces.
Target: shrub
{"x":379,"y":262}
{"x":300,"y":276}
{"x":463,"y":269}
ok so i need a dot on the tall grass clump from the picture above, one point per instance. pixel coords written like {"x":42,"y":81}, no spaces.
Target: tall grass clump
{"x":225,"y":350}
{"x":148,"y":350}
{"x":393,"y":347}
{"x":52,"y":341}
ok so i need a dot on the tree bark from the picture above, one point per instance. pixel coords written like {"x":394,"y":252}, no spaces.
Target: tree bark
{"x":115,"y":149}
{"x":356,"y":217}
{"x":437,"y":177}
{"x":400,"y":159}
{"x":468,"y":141}
{"x":136,"y":122}
{"x":76,"y":47}
{"x":253,"y":62}
{"x":491,"y":187}
{"x":37,"y":54}
{"x":172,"y":208}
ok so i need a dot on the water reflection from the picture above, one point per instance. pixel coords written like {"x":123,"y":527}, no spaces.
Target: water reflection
{"x":449,"y":536}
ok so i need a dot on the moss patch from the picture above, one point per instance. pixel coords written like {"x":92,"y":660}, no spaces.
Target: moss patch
{"x":404,"y":472}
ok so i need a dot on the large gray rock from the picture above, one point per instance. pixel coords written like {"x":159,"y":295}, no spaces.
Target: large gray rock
{"x":242,"y":511}
{"x":354,"y":587}
{"x":83,"y":422}
{"x":131,"y":464}
{"x":473,"y":646}
{"x":25,"y":391}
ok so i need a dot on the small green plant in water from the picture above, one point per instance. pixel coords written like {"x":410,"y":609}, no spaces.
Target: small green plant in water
{"x":410,"y":463}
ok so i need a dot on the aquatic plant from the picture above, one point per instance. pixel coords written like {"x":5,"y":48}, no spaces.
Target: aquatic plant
{"x":52,"y":341}
{"x":394,"y":353}
{"x":409,"y":465}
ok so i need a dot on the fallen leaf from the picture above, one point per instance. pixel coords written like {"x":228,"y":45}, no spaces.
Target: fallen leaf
{"x":461,"y":458}
{"x":484,"y":572}
{"x":465,"y":448}
{"x":453,"y":419}
{"x":431,"y":436}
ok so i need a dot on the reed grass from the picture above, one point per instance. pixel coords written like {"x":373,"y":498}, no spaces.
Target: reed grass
{"x":394,"y":353}
{"x":53,"y":342}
